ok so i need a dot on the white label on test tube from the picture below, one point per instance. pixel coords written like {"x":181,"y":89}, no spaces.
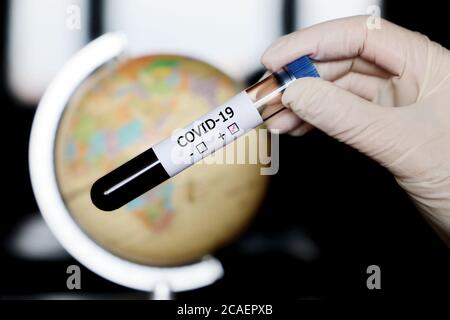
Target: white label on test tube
{"x":209,"y":133}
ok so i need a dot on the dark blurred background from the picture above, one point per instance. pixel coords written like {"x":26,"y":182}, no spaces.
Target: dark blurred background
{"x":350,"y":211}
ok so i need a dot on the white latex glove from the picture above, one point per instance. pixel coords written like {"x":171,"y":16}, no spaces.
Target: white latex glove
{"x":385,"y":92}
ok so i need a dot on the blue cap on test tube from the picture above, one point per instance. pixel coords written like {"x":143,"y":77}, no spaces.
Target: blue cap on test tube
{"x":301,"y":68}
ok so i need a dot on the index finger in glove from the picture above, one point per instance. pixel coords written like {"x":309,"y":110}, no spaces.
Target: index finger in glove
{"x":387,"y":47}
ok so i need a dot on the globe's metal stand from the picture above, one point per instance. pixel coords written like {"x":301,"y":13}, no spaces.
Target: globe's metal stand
{"x":163,"y":282}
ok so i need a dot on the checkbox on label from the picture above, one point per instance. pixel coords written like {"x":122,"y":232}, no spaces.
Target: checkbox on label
{"x":233,"y":128}
{"x":201,"y":147}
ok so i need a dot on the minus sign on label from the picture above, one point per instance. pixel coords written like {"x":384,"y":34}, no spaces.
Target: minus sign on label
{"x":191,"y":154}
{"x":217,"y":120}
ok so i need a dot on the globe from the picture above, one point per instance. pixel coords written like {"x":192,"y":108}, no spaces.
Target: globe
{"x":122,"y":110}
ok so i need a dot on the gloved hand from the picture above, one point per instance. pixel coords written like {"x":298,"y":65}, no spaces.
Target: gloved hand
{"x":385,"y":92}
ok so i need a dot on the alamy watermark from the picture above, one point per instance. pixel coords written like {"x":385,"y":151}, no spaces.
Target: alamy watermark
{"x":73,"y":17}
{"x":374,"y":280}
{"x":374,"y":20}
{"x":73,"y":281}
{"x":255,"y":147}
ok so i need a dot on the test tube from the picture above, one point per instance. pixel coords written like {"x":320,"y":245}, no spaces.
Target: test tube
{"x":209,"y":133}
